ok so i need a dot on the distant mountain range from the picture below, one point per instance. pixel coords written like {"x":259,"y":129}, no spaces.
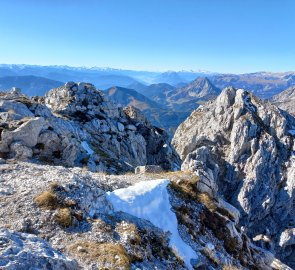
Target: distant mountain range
{"x":165,"y":97}
{"x":102,"y":78}
{"x":262,"y":84}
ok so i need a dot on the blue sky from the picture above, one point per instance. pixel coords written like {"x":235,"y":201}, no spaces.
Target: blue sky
{"x":217,"y":35}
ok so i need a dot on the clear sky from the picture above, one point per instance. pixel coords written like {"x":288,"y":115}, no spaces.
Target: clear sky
{"x":217,"y":35}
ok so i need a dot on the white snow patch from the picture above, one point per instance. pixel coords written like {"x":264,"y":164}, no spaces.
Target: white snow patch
{"x":87,"y":148}
{"x":150,"y":200}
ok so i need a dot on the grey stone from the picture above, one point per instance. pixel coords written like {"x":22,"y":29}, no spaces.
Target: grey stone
{"x":15,"y":110}
{"x":25,"y":251}
{"x":20,"y":151}
{"x":148,"y":169}
{"x":131,"y":127}
{"x":120,"y":127}
{"x":27,"y":133}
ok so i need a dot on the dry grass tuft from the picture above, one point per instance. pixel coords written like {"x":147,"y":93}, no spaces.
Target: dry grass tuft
{"x":64,"y":217}
{"x":47,"y":199}
{"x":186,"y":186}
{"x":106,"y":255}
{"x":230,"y":267}
{"x":129,"y":231}
{"x":53,"y":201}
{"x":178,"y":257}
{"x":174,"y":176}
{"x":205,"y":199}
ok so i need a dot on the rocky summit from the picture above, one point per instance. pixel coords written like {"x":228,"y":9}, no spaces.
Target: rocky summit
{"x":69,"y":198}
{"x":243,"y":151}
{"x":75,"y":125}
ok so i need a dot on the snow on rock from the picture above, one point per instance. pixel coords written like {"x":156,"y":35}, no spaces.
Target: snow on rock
{"x":247,"y":100}
{"x":150,"y":200}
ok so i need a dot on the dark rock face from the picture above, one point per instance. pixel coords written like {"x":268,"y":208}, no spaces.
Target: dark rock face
{"x":75,"y":126}
{"x":243,"y":149}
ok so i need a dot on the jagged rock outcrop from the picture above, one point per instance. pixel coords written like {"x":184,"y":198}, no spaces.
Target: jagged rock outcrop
{"x":75,"y":125}
{"x":243,"y":149}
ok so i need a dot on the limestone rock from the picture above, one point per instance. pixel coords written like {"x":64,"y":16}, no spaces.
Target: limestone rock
{"x":76,"y":115}
{"x":20,"y":151}
{"x":242,"y":149}
{"x":15,"y":110}
{"x":27,"y":133}
{"x":285,"y":100}
{"x":148,"y":169}
{"x":287,"y":238}
{"x":24,"y":251}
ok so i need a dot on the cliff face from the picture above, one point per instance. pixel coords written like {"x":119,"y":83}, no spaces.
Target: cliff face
{"x":243,"y":149}
{"x":75,"y":125}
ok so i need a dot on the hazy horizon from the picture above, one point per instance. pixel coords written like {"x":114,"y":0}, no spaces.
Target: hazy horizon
{"x":155,"y":71}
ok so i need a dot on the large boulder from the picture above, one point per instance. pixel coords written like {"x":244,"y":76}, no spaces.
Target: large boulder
{"x":148,"y":169}
{"x":27,"y":133}
{"x":13,"y":110}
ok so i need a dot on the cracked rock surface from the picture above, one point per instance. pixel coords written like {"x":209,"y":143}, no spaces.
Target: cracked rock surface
{"x":243,"y":150}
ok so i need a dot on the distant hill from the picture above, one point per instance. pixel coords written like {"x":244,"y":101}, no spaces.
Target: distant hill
{"x":200,"y":88}
{"x":158,"y":92}
{"x":126,"y":97}
{"x":184,"y":99}
{"x":262,"y":84}
{"x":30,"y":85}
{"x":170,"y":77}
{"x":157,"y":113}
{"x":189,"y":97}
